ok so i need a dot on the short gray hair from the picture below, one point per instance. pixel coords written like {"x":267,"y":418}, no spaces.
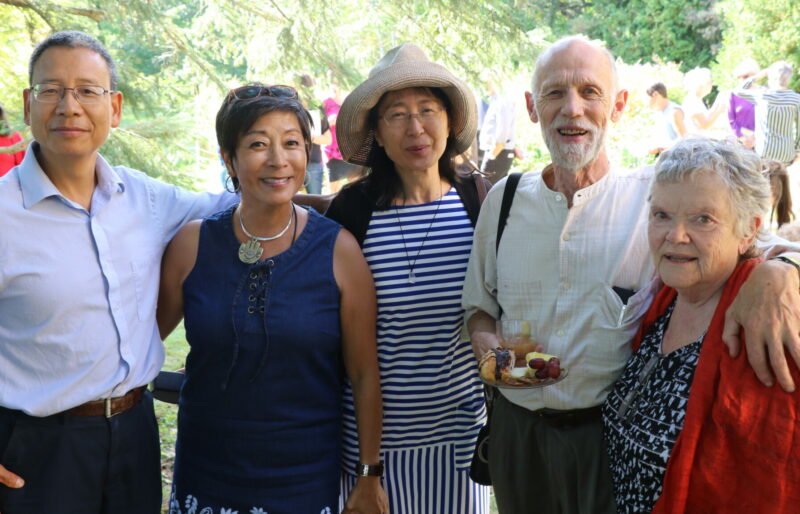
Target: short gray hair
{"x":780,"y":73}
{"x":695,"y":77}
{"x":73,"y":39}
{"x":563,"y":43}
{"x":740,"y":169}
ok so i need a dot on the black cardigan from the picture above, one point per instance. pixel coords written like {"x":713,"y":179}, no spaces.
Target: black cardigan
{"x":353,"y":206}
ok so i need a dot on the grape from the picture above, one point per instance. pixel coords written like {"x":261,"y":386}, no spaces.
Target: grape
{"x":553,"y":370}
{"x":542,"y":373}
{"x":537,"y":363}
{"x":555,"y":360}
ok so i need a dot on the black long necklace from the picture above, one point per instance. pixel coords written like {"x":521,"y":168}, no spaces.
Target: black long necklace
{"x":412,"y":278}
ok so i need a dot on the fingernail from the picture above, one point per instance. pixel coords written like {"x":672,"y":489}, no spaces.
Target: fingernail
{"x":19,"y":483}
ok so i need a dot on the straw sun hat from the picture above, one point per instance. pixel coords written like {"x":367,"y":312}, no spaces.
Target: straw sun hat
{"x":402,"y":67}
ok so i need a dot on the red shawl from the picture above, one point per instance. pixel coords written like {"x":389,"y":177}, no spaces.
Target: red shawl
{"x":739,"y":450}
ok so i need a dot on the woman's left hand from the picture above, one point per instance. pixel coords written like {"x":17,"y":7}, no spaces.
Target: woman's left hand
{"x":367,"y":497}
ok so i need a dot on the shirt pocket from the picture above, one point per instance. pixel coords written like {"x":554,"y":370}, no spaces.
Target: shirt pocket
{"x":145,"y":274}
{"x":614,"y":314}
{"x":522,"y":300}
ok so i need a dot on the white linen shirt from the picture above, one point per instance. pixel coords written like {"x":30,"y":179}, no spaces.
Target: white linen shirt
{"x":556,"y":268}
{"x":78,"y":289}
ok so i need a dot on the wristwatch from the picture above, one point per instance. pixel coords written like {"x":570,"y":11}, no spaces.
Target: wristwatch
{"x":788,"y":260}
{"x":369,"y":470}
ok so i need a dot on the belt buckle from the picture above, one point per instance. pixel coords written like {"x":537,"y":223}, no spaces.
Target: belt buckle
{"x":108,"y":413}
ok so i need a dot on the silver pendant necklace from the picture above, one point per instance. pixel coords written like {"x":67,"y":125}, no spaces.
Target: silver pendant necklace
{"x":250,"y":251}
{"x":412,"y":277}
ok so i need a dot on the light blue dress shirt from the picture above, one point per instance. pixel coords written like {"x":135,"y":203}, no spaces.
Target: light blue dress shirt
{"x":78,"y":289}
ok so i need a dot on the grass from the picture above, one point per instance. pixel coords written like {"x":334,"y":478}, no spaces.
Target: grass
{"x":167,"y":415}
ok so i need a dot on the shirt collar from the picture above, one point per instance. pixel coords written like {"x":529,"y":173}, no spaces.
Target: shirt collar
{"x":36,"y":185}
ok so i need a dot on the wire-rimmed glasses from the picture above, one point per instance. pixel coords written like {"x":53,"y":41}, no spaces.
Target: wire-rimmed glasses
{"x":399,"y":118}
{"x":84,"y":94}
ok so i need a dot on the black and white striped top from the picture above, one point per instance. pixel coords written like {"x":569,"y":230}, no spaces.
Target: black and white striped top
{"x":777,"y":122}
{"x":431,"y":391}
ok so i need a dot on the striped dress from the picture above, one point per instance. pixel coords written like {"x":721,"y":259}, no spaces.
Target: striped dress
{"x":777,"y":122}
{"x":432,"y":397}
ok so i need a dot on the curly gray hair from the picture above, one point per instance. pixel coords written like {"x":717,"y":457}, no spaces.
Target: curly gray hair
{"x":740,"y":169}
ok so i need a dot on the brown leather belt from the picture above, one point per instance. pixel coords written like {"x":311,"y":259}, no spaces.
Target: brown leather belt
{"x":110,"y":406}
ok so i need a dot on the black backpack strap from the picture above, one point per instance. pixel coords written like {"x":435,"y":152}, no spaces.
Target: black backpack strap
{"x":505,"y":207}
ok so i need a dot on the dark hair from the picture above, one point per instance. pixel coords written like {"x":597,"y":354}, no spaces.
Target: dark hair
{"x":5,"y":128}
{"x":659,"y":88}
{"x":73,"y":39}
{"x":779,"y":182}
{"x":235,"y":117}
{"x":382,"y":181}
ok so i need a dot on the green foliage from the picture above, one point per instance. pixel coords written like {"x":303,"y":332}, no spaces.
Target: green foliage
{"x":686,"y":32}
{"x":766,"y":30}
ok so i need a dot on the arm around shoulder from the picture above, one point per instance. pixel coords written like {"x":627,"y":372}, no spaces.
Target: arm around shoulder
{"x":178,"y":261}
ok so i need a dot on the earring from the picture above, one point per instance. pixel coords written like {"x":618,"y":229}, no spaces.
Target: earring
{"x":234,"y":183}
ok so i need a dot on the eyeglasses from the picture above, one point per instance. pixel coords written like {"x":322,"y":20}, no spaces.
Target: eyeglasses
{"x":53,"y":93}
{"x":398,"y":119}
{"x":629,"y":404}
{"x":251,"y":92}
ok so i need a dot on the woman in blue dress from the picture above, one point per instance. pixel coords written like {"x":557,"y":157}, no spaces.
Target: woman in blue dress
{"x":279,"y":307}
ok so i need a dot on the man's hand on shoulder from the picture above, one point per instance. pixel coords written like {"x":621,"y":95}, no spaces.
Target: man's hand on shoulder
{"x":768,"y":309}
{"x":9,"y":479}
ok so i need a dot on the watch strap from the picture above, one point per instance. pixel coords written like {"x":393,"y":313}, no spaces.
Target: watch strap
{"x":369,"y":470}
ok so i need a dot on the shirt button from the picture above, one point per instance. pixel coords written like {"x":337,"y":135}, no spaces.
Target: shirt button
{"x":560,"y":333}
{"x":565,"y":237}
{"x":565,"y":285}
{"x":559,"y":197}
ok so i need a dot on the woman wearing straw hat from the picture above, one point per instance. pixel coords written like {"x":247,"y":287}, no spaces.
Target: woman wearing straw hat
{"x":413,"y":217}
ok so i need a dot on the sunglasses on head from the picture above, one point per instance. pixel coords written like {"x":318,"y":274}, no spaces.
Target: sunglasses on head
{"x":250,"y":92}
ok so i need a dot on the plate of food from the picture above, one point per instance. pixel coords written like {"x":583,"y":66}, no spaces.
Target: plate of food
{"x":497,"y":370}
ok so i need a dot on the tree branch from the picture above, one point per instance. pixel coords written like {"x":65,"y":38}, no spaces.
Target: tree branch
{"x":95,"y":14}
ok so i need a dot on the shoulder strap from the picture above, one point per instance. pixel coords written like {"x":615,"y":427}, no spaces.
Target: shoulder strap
{"x":483,"y":190}
{"x":505,"y":207}
{"x":352,"y":208}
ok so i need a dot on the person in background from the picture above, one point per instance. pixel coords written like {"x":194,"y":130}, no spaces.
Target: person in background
{"x":80,"y":250}
{"x":279,"y":306}
{"x":778,"y":176}
{"x":741,"y":112}
{"x":496,"y":139}
{"x":670,"y":123}
{"x":8,"y":138}
{"x":698,"y":119}
{"x":320,"y":136}
{"x":687,"y":428}
{"x":413,"y":216}
{"x":777,"y":114}
{"x":339,"y":170}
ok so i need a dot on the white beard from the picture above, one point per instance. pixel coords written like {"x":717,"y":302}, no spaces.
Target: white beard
{"x":574,"y":156}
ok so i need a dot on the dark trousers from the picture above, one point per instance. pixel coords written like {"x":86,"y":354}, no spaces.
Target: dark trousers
{"x":82,"y":465}
{"x":541,"y":468}
{"x":498,"y":167}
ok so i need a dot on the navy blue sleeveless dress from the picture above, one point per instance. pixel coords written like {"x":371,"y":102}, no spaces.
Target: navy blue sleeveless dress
{"x":259,"y":424}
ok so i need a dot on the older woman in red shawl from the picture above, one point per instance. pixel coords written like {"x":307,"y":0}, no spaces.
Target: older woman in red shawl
{"x":688,"y":428}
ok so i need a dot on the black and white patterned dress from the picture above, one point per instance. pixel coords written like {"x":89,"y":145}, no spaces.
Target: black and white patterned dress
{"x":644,"y":415}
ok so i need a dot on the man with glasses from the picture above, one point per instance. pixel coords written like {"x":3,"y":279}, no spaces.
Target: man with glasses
{"x":583,"y":284}
{"x":79,"y":264}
